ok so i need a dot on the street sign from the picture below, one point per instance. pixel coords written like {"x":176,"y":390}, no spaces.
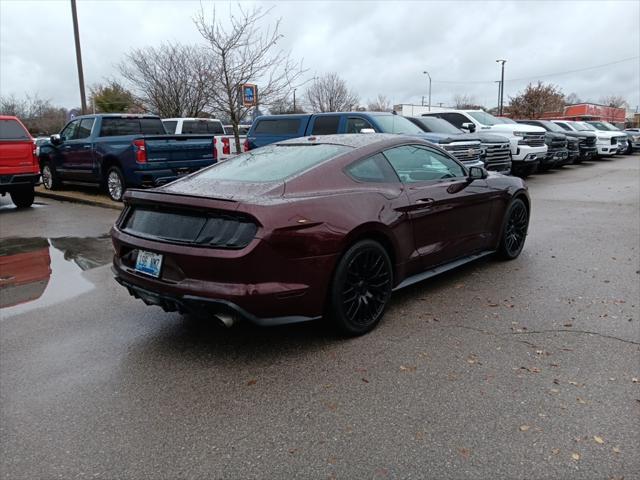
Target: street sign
{"x":249,"y":94}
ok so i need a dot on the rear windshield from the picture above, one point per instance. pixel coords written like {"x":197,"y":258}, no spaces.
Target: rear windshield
{"x":114,"y":126}
{"x":202,"y":126}
{"x":438,"y":125}
{"x":284,"y":126}
{"x":10,"y":129}
{"x":170,"y":126}
{"x":271,"y":163}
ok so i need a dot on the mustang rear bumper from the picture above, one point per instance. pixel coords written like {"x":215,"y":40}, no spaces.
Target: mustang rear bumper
{"x":204,"y":306}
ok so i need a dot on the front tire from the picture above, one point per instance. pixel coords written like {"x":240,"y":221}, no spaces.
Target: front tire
{"x":23,"y":197}
{"x":49,"y":176}
{"x":514,"y":230}
{"x":115,"y":184}
{"x":361,"y":288}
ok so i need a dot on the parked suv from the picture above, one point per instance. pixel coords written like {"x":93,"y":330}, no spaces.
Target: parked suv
{"x":276,"y":128}
{"x":635,"y":137}
{"x":121,"y":151}
{"x":496,"y":152}
{"x":527,"y":142}
{"x":19,"y":169}
{"x":557,"y":147}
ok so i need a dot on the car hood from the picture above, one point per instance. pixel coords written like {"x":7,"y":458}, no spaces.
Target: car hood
{"x":515,"y":127}
{"x":580,"y":134}
{"x":445,"y":138}
{"x":486,"y":137}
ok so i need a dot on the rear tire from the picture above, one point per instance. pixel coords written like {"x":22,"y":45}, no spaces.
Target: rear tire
{"x":360,"y":289}
{"x":115,"y":184}
{"x":50,"y":178}
{"x":514,"y":230}
{"x":23,"y":197}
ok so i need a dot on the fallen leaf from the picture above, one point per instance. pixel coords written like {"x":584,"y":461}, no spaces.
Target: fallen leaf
{"x":459,"y":285}
{"x":634,"y":380}
{"x":554,"y":390}
{"x":465,"y":452}
{"x":598,"y":439}
{"x":555,"y":451}
{"x":581,"y":401}
{"x":332,"y":406}
{"x":575,"y":456}
{"x":556,"y":381}
{"x":615,"y":450}
{"x":293,"y":450}
{"x":409,"y":368}
{"x":253,"y":381}
{"x":365,"y":380}
{"x":493,"y":305}
{"x":568,"y":325}
{"x":524,"y":428}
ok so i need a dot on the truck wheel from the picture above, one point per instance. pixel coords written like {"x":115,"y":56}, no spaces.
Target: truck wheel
{"x":22,"y":197}
{"x":50,"y":178}
{"x":115,"y":184}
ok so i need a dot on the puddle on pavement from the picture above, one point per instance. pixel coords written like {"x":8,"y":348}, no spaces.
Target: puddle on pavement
{"x":39,"y":272}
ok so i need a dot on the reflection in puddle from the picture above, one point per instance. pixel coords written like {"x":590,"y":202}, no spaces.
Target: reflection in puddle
{"x":38,"y":272}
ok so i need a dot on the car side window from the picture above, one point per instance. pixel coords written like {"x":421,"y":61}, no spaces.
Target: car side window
{"x":84,"y":130}
{"x":69,"y":132}
{"x":326,"y":125}
{"x":414,"y":163}
{"x":564,"y":125}
{"x":455,"y":118}
{"x":170,"y":126}
{"x":374,"y":169}
{"x":355,"y":124}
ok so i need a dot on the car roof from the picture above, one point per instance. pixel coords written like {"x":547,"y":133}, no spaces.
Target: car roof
{"x":191,"y":118}
{"x":354,"y":140}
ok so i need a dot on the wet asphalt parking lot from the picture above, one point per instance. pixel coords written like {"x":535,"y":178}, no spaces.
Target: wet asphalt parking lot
{"x":524,"y":369}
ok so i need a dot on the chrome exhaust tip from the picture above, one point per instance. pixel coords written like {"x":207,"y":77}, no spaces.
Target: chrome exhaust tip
{"x":227,"y":320}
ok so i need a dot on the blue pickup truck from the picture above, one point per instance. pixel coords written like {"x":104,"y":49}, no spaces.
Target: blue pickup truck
{"x":118,"y":151}
{"x":275,"y":128}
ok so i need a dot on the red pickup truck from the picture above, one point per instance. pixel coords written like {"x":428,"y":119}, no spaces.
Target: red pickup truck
{"x":19,"y":167}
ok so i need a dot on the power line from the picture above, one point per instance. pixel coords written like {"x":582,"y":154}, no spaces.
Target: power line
{"x":544,"y":75}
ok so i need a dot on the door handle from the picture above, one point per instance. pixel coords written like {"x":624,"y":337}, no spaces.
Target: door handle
{"x":424,"y":201}
{"x":87,"y":147}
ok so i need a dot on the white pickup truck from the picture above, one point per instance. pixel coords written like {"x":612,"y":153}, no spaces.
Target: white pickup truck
{"x":225,"y":144}
{"x":526,"y":141}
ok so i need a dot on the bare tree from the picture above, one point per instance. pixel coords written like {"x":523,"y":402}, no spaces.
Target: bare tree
{"x":572,"y":99}
{"x":329,"y":93}
{"x":241,"y":52}
{"x":616,"y":101}
{"x":171,"y":80}
{"x":380,"y":104}
{"x":536,"y":100}
{"x":38,"y":115}
{"x":284,"y":106}
{"x":464,"y":101}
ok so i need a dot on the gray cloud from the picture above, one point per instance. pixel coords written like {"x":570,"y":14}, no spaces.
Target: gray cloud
{"x":377,"y":47}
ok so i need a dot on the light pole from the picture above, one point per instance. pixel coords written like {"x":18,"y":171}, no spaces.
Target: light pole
{"x":500,"y":107}
{"x":499,"y":94}
{"x":294,"y":91}
{"x":76,"y":35}
{"x":427,"y":74}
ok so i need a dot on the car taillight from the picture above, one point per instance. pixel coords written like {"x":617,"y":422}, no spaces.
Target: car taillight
{"x":226,"y":148}
{"x":141,"y":151}
{"x":245,"y":145}
{"x":215,"y":148}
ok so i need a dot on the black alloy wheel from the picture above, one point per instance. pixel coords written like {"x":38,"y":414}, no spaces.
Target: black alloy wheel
{"x":361,"y":288}
{"x":514,"y":230}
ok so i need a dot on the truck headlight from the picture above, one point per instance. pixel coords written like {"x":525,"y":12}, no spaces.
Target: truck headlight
{"x":603,"y":139}
{"x":519,"y":134}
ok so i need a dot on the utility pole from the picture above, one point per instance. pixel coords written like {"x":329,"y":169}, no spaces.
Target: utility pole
{"x":76,"y":34}
{"x":427,"y":74}
{"x":294,"y":100}
{"x":501,"y":106}
{"x":499,"y":95}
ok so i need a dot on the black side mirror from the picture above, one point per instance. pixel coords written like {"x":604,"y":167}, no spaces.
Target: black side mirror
{"x":477,"y":173}
{"x":56,"y":139}
{"x":469,"y":126}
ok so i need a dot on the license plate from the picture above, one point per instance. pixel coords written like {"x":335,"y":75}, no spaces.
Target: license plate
{"x":149,"y":263}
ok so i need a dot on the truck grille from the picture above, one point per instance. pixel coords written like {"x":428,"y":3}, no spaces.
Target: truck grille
{"x":557,"y":144}
{"x":573,"y":146}
{"x":588,"y":142}
{"x":614,"y":140}
{"x":465,"y":152}
{"x":497,"y":156}
{"x":533,"y":139}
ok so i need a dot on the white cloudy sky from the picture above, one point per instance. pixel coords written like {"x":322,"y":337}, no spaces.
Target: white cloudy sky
{"x":377,"y":47}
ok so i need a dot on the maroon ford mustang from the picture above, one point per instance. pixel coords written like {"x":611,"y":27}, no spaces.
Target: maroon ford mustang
{"x":314,"y":227}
